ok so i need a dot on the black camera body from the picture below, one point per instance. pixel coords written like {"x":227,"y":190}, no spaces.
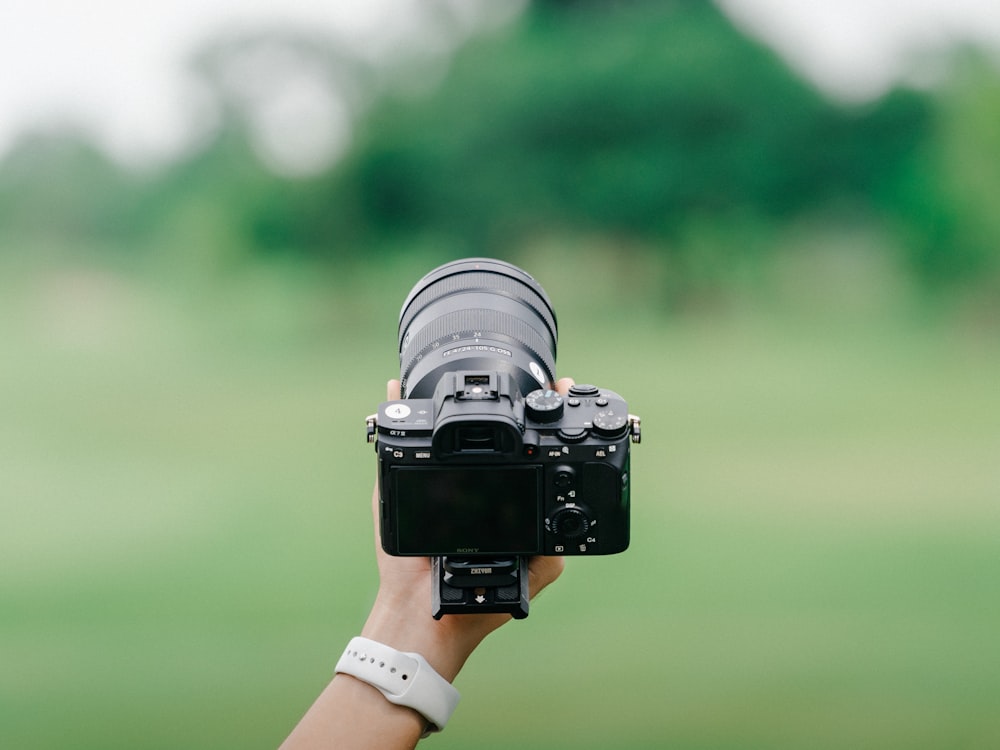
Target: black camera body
{"x":481,"y":470}
{"x":482,"y":464}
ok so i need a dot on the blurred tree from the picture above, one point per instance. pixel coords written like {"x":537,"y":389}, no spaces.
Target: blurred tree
{"x":57,"y":184}
{"x":631,"y":118}
{"x":946,"y":199}
{"x":291,"y":95}
{"x":656,"y":123}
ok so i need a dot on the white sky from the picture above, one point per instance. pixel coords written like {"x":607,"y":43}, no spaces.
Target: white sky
{"x":116,"y":67}
{"x":855,"y":49}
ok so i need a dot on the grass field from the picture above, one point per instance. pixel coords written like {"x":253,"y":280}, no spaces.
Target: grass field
{"x":186,"y":542}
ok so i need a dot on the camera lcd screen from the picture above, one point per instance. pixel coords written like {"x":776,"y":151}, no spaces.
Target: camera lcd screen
{"x":484,"y":510}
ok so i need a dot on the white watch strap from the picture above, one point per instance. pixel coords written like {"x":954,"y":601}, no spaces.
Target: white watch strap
{"x":404,"y":678}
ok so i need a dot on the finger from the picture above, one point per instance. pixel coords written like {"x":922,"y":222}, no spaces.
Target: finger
{"x":392,"y":390}
{"x":563,"y":385}
{"x":543,"y":570}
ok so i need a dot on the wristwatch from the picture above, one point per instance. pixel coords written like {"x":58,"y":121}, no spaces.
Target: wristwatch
{"x":403,"y":677}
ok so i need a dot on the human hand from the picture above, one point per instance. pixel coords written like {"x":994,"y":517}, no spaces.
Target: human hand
{"x":350,"y":713}
{"x":401,"y":616}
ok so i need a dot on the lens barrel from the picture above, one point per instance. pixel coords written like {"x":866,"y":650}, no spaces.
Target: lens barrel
{"x":476,"y":314}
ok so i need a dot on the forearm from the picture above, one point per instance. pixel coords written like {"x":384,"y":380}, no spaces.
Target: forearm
{"x":352,"y":715}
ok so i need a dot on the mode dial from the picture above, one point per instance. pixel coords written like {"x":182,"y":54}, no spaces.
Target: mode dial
{"x":544,"y":405}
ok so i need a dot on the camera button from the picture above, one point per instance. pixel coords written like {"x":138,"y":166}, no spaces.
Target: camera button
{"x":574,"y":402}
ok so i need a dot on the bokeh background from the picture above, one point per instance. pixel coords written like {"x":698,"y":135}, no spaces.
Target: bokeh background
{"x":794,"y":277}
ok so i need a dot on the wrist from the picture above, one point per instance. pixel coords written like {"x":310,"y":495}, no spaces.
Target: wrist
{"x":403,"y":678}
{"x":445,"y":647}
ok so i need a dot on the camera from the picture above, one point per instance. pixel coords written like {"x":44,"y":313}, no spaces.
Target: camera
{"x":481,"y":463}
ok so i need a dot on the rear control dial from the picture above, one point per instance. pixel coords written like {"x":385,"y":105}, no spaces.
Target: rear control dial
{"x":570,"y":523}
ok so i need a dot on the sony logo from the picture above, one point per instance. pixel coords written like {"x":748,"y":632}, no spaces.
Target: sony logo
{"x":467,"y":550}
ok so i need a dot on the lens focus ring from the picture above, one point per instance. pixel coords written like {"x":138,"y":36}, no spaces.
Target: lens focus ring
{"x":489,"y":324}
{"x":476,"y":281}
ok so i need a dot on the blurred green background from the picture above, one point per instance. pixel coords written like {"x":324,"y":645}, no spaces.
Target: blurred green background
{"x":801,"y":298}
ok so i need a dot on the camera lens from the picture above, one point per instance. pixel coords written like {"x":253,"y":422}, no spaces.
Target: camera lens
{"x":476,"y":314}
